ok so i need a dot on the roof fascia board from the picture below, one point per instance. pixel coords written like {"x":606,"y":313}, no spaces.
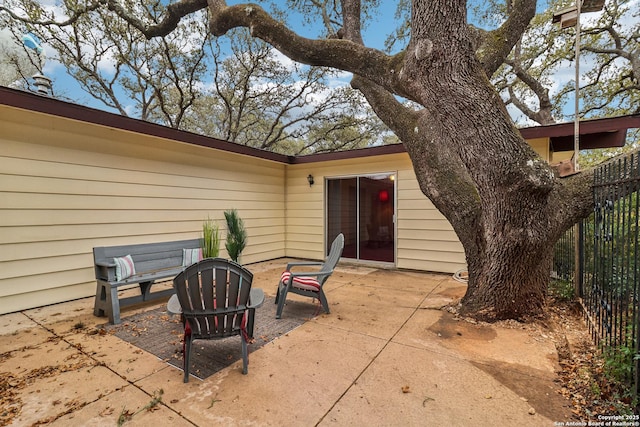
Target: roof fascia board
{"x":350,"y":154}
{"x":608,"y":124}
{"x":43,"y":104}
{"x":590,"y":141}
{"x":47,"y":105}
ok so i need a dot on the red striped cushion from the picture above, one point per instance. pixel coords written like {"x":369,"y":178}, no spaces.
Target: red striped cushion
{"x":302,"y":282}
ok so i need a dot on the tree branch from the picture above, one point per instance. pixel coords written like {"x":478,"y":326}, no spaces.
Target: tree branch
{"x":496,"y":45}
{"x":543,"y":115}
{"x":342,"y":54}
{"x":352,"y":25}
{"x":175,"y":12}
{"x":78,"y":13}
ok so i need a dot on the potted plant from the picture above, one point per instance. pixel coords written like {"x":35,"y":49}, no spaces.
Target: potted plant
{"x":210,"y":239}
{"x":236,"y":234}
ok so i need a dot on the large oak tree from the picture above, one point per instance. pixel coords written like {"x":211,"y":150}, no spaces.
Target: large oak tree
{"x":504,"y":202}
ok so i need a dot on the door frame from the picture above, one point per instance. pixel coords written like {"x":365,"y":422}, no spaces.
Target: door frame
{"x":394,"y":174}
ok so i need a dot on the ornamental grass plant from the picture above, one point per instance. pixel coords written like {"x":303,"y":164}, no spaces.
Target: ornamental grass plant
{"x":210,"y":239}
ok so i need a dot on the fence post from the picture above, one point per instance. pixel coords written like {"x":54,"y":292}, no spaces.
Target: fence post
{"x":579,"y":259}
{"x":636,"y":365}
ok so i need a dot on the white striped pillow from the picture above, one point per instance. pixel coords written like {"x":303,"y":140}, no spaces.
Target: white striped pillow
{"x":191,"y":256}
{"x":124,"y":267}
{"x":301,"y":282}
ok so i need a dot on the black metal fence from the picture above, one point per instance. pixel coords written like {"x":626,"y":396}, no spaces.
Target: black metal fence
{"x":608,"y":275}
{"x":564,"y":257}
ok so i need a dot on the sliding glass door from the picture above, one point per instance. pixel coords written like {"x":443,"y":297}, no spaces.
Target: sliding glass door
{"x":363,"y":209}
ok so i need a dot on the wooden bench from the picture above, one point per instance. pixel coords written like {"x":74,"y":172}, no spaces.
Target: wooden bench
{"x":152,"y":261}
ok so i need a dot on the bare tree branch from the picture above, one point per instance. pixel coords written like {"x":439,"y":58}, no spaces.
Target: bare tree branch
{"x":175,"y":12}
{"x":352,"y":25}
{"x":78,"y":13}
{"x":543,"y":115}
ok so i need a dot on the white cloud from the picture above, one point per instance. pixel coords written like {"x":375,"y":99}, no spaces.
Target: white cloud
{"x":286,"y":62}
{"x":565,"y":73}
{"x":341,"y":79}
{"x":519,"y":118}
{"x":131,"y":110}
{"x":15,"y":60}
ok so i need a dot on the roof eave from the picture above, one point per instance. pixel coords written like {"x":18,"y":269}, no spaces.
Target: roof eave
{"x":44,"y":104}
{"x":595,"y":133}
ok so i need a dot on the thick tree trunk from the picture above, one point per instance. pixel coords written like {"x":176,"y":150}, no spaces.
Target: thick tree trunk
{"x":504,"y":215}
{"x":473,"y":164}
{"x":509,"y":275}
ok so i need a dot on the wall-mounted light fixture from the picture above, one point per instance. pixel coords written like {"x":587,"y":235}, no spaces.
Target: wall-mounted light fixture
{"x":310,"y":180}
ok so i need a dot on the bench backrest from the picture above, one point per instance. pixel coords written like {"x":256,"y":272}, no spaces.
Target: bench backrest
{"x":147,"y":256}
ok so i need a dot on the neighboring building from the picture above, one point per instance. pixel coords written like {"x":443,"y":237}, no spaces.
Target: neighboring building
{"x":72,"y":178}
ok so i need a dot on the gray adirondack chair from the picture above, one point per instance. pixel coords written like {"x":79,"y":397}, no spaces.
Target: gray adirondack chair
{"x":217,"y":301}
{"x":309,"y":283}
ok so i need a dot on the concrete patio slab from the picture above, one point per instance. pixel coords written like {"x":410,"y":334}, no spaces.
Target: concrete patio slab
{"x":445,"y":294}
{"x":433,"y":390}
{"x":124,"y":359}
{"x":15,"y":322}
{"x":69,"y":311}
{"x":55,"y":353}
{"x":416,"y":333}
{"x":479,"y":341}
{"x":400,"y":280}
{"x":365,"y":320}
{"x":387,"y":355}
{"x":45,"y":397}
{"x":24,"y":338}
{"x":129,"y":403}
{"x":382,"y":297}
{"x":292,"y":381}
{"x":522,"y":358}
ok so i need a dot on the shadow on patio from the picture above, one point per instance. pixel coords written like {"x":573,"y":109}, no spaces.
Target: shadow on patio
{"x":388,"y":354}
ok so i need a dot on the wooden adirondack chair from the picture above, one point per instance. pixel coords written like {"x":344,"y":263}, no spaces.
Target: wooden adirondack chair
{"x":217,"y":301}
{"x":309,"y":283}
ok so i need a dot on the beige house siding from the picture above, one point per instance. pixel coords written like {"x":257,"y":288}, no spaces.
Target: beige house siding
{"x":78,"y":178}
{"x":304,"y":213}
{"x":541,"y":146}
{"x":425,"y":239}
{"x":67,"y":186}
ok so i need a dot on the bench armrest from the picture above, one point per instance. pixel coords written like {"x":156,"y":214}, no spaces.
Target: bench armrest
{"x":106,"y":263}
{"x":105,"y":270}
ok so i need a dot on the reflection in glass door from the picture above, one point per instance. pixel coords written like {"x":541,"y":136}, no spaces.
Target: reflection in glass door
{"x":363,"y":208}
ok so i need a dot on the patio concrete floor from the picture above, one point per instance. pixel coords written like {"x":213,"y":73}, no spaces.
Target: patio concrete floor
{"x":387,"y":355}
